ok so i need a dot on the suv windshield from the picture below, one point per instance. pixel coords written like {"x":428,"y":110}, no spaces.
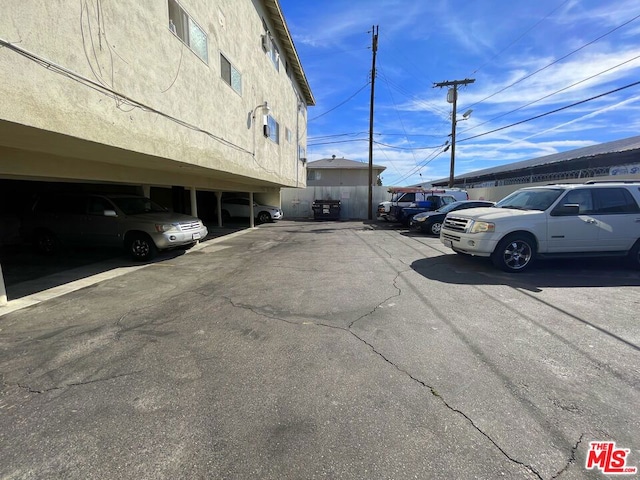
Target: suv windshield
{"x":534,"y":199}
{"x":137,"y":205}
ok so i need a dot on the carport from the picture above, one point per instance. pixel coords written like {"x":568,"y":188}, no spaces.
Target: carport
{"x":34,"y":160}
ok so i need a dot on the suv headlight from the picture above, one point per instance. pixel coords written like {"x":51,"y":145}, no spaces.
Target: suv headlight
{"x":166,"y":227}
{"x":479,"y":227}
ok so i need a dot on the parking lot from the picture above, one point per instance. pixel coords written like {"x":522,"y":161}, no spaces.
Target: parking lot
{"x":324,"y":350}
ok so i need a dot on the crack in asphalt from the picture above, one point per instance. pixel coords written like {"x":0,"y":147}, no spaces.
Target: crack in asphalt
{"x":397,"y":294}
{"x":431,"y":389}
{"x":77,"y":384}
{"x":571,"y":460}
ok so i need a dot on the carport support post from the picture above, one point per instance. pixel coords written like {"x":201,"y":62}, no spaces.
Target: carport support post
{"x":219,"y":208}
{"x":252,"y":221}
{"x":194,"y":201}
{"x":3,"y":291}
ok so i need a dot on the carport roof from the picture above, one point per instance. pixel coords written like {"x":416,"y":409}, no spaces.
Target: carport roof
{"x":625,"y":144}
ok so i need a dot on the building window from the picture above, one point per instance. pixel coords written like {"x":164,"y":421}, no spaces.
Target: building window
{"x":269,"y":46}
{"x":183,"y":26}
{"x":230,"y":74}
{"x":272,"y":129}
{"x":313,"y":175}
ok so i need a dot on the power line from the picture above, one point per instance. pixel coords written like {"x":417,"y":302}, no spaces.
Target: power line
{"x":556,"y":61}
{"x":520,"y":37}
{"x":551,"y":112}
{"x":552,"y":94}
{"x":340,"y":104}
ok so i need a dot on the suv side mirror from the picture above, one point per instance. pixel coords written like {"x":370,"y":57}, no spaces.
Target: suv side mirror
{"x":110,"y":213}
{"x":566,"y":210}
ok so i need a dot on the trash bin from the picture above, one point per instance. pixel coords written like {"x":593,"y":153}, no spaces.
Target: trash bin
{"x":326,"y":209}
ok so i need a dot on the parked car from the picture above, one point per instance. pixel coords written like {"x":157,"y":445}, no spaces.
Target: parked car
{"x":402,"y":197}
{"x":429,"y":204}
{"x":239,"y":207}
{"x":552,"y":221}
{"x":135,"y":223}
{"x":431,"y":222}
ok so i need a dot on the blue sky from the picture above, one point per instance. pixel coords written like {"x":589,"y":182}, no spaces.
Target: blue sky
{"x":579,"y":49}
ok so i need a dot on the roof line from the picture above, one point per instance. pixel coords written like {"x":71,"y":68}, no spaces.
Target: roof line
{"x":275,"y":11}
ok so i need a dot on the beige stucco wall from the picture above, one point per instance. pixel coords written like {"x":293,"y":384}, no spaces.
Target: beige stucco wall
{"x":49,"y":120}
{"x":343,"y":176}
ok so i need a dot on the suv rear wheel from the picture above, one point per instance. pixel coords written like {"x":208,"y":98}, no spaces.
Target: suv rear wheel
{"x":46,"y":242}
{"x":515,"y":253}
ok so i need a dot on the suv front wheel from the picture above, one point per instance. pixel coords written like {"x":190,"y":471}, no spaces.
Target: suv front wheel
{"x":515,"y":253}
{"x":141,"y":247}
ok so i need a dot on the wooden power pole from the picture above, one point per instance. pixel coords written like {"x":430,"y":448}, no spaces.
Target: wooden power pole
{"x":453,"y":99}
{"x":374,"y":48}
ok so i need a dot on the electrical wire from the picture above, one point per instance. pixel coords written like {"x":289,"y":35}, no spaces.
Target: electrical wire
{"x":340,"y":104}
{"x":551,"y":112}
{"x":114,"y":94}
{"x":519,"y":38}
{"x":551,"y":94}
{"x":555,"y":61}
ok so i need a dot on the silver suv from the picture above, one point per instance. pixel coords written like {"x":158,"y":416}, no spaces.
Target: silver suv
{"x":571,"y":220}
{"x":135,"y":223}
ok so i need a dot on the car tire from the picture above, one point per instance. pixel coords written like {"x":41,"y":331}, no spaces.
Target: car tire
{"x":634,"y":256}
{"x":264,"y":217}
{"x":515,"y":253}
{"x":141,"y":247}
{"x":434,"y":228}
{"x":46,"y":242}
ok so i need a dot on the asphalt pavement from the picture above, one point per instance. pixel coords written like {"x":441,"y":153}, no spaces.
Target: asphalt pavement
{"x":302,"y":350}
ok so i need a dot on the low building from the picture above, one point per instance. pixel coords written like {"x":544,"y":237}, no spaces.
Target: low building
{"x":336,"y":179}
{"x":337,"y":172}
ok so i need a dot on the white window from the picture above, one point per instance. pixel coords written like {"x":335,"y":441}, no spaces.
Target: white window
{"x":270,"y":47}
{"x":313,"y":175}
{"x":187,"y":30}
{"x":230,"y":74}
{"x":272,"y":129}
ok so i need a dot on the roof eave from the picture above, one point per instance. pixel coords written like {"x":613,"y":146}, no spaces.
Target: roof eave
{"x":282,"y":30}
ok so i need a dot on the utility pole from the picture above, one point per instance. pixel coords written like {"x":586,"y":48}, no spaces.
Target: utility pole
{"x":452,"y":97}
{"x":374,"y":49}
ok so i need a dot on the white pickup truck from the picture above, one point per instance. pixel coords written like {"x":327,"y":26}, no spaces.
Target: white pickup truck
{"x":408,"y":196}
{"x":570,"y":220}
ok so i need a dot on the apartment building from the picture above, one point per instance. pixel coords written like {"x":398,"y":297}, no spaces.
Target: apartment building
{"x":171,"y":98}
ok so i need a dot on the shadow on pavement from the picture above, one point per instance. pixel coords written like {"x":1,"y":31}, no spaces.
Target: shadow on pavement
{"x":577,"y":272}
{"x":27,"y":272}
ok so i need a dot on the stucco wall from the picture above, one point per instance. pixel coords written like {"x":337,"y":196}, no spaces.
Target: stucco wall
{"x":346,"y":177}
{"x":128,"y":47}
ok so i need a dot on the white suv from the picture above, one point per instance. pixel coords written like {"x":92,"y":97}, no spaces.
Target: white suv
{"x":572,"y":220}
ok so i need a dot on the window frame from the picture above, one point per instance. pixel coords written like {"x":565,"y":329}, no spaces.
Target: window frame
{"x":182,"y":29}
{"x":231,"y":69}
{"x":273,"y":129}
